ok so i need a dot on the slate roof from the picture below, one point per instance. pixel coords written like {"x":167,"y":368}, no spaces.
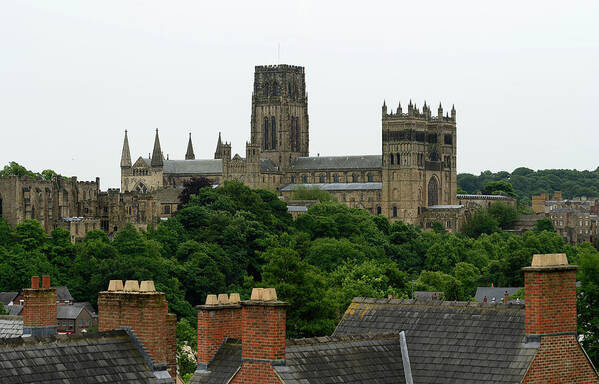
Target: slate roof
{"x":297,"y":208}
{"x":428,"y":295}
{"x":267,"y":165}
{"x":336,"y":186}
{"x":204,"y":166}
{"x":7,"y":297}
{"x":13,"y":310}
{"x":483,"y":197}
{"x":68,"y":311}
{"x":348,"y":359}
{"x":107,"y":357}
{"x":63,"y":294}
{"x":494,"y":292}
{"x":87,"y":305}
{"x":337,"y":162}
{"x":11,"y":326}
{"x":450,"y":342}
{"x":223,"y":366}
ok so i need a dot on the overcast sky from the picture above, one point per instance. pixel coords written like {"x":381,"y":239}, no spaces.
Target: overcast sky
{"x":523,"y":75}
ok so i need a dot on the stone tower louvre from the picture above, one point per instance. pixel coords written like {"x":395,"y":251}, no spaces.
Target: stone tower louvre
{"x":280,"y":113}
{"x":418,"y":161}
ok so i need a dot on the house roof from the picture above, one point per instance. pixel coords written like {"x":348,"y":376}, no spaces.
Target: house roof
{"x":87,"y":305}
{"x":7,"y":297}
{"x":336,"y":186}
{"x":494,"y":292}
{"x":70,"y":312}
{"x":337,"y":162}
{"x":203,"y":166}
{"x":267,"y":165}
{"x":106,"y":357}
{"x":11,"y":326}
{"x":346,"y":359}
{"x":63,"y":294}
{"x":463,"y":342}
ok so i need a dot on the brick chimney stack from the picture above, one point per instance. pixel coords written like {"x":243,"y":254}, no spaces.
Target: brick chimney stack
{"x":39,"y":308}
{"x":262,"y":336}
{"x":550,"y":292}
{"x":142,"y":310}
{"x":218,"y":320}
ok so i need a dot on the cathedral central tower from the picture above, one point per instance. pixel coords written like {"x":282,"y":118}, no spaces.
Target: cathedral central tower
{"x":279,"y":123}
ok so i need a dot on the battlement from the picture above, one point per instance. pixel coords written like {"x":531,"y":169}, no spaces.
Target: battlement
{"x":414,"y":113}
{"x":279,"y":68}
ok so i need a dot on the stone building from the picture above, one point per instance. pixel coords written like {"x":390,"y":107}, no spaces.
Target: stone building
{"x":416,"y":168}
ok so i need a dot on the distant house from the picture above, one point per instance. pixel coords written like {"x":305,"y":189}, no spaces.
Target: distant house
{"x":496,"y":294}
{"x":73,"y":319}
{"x":63,"y":296}
{"x":8,"y":298}
{"x":429,"y":295}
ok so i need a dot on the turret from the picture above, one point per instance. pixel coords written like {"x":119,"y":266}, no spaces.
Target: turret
{"x":157,"y":160}
{"x":384,"y":108}
{"x":218,"y":154}
{"x":440,"y":112}
{"x":452,"y":113}
{"x":399,"y":109}
{"x":126,"y":155}
{"x":189,"y":155}
{"x":410,"y":109}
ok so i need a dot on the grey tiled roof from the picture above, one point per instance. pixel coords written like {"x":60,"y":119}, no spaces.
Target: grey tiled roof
{"x":63,"y":294}
{"x":450,"y":341}
{"x":297,"y":208}
{"x":13,"y":310}
{"x":337,"y":162}
{"x":222,"y":367}
{"x":11,"y":326}
{"x":206,"y":166}
{"x":267,"y":165}
{"x":68,"y":311}
{"x":108,"y":357}
{"x":493,"y":292}
{"x":336,"y":186}
{"x":7,"y":297}
{"x":484,"y":197}
{"x":348,"y":359}
{"x":87,"y":305}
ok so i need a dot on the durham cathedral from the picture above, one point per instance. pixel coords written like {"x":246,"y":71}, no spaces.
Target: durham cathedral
{"x":413,"y":179}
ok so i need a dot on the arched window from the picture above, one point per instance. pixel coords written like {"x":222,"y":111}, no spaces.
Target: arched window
{"x":391,"y":159}
{"x":292,"y":179}
{"x":394,"y":211}
{"x":354,"y":178}
{"x":398,"y":159}
{"x":433,"y":192}
{"x":297,"y":135}
{"x":305,"y":179}
{"x":273,"y":133}
{"x":141,"y":188}
{"x":378,"y":210}
{"x":266,"y":137}
{"x":275,"y":89}
{"x":266,"y":89}
{"x":370,"y":178}
{"x":292,"y":134}
{"x":33,"y":211}
{"x":65,"y":197}
{"x":335,"y":178}
{"x":321,"y":179}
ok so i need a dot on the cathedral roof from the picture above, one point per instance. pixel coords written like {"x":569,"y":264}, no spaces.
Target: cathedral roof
{"x":336,"y":186}
{"x":337,"y":162}
{"x":208,"y":166}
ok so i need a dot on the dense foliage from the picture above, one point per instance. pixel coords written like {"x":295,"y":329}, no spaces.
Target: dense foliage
{"x":16,"y":169}
{"x":232,"y":238}
{"x":526,"y":182}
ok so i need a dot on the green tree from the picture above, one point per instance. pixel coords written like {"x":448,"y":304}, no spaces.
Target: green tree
{"x":505,"y":215}
{"x":481,"y":222}
{"x":544,"y":224}
{"x":500,"y":187}
{"x":588,"y":302}
{"x":311,"y":193}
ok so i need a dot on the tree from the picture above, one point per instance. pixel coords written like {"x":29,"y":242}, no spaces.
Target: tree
{"x":15,"y":169}
{"x":500,"y":187}
{"x":481,"y":222}
{"x":588,"y":302}
{"x":193,"y":187}
{"x":505,"y":215}
{"x":310,"y":193}
{"x":544,"y":224}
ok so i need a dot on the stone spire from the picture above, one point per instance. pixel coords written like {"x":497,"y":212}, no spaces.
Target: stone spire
{"x":189,"y":155}
{"x":126,"y":155}
{"x":218,"y":154}
{"x":157,"y":160}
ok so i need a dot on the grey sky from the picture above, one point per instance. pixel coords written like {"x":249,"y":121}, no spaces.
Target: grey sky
{"x":523,"y":75}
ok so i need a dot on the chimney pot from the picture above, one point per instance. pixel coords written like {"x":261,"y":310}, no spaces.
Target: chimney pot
{"x":211,"y":300}
{"x":223,"y":298}
{"x":115,"y":285}
{"x":269,"y":294}
{"x":131,"y":286}
{"x":234,"y":298}
{"x":35,"y":282}
{"x":147,"y":286}
{"x":257,"y":294}
{"x":45,"y":281}
{"x":549,"y":260}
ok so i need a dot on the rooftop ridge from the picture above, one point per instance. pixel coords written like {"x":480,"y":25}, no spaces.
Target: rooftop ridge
{"x":62,"y":338}
{"x":435,"y":303}
{"x":337,"y":339}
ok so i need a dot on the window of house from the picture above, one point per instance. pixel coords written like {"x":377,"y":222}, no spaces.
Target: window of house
{"x":167,"y":209}
{"x":336,"y":178}
{"x":321,"y":179}
{"x":370,"y":178}
{"x":354,"y":178}
{"x":394,"y":211}
{"x":305,"y":179}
